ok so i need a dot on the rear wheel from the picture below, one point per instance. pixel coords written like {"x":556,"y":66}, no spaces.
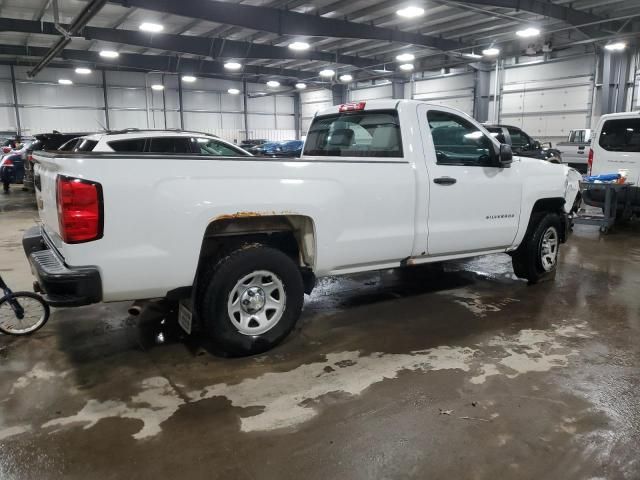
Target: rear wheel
{"x":22,"y":313}
{"x":252,"y":300}
{"x":537,"y":257}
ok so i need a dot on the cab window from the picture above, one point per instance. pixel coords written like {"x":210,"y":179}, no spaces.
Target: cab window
{"x":457,"y":141}
{"x":355,"y":134}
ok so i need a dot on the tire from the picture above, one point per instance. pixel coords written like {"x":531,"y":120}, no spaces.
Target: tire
{"x":537,"y":257}
{"x":237,"y":294}
{"x":36,"y":313}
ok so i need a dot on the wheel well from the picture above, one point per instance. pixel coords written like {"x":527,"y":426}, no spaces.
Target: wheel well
{"x":551,"y":205}
{"x":292,"y":234}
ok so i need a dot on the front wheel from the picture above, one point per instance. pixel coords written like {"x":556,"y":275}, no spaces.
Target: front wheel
{"x":22,"y":313}
{"x":537,"y":257}
{"x":252,"y":300}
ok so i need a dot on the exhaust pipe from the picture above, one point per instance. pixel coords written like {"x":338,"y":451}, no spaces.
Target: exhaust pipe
{"x":136,"y":307}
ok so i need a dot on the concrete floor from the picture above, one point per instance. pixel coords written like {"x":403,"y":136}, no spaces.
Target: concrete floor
{"x":469,"y":374}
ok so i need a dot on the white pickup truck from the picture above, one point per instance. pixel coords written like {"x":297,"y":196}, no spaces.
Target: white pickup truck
{"x":380,"y":185}
{"x":575,"y":151}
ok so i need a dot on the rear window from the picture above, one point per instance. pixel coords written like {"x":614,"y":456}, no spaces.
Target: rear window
{"x":355,"y":134}
{"x":621,"y":135}
{"x":85,"y":145}
{"x":132,"y":145}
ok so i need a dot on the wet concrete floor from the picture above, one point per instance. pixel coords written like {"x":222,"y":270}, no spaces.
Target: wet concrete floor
{"x":466,"y":374}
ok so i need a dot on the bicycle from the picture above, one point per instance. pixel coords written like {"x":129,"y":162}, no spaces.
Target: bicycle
{"x":21,"y":313}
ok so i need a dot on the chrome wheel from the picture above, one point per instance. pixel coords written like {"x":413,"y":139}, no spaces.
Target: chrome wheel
{"x":549,"y":249}
{"x":256,"y":302}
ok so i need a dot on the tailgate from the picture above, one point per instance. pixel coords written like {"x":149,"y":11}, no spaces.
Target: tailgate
{"x":45,"y":175}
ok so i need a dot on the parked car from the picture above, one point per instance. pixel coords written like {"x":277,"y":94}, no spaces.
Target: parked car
{"x":44,"y":141}
{"x":12,"y":164}
{"x":575,"y":150}
{"x":248,"y":144}
{"x":285,"y":148}
{"x":523,"y":145}
{"x":615,"y":148}
{"x":380,"y":184}
{"x":157,"y":141}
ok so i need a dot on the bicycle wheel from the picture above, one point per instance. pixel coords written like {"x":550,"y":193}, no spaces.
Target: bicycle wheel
{"x":22,"y":313}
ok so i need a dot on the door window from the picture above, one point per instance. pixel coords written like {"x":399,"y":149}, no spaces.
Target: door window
{"x":458,"y":141}
{"x":170,"y":145}
{"x":519,"y":139}
{"x":131,"y":145}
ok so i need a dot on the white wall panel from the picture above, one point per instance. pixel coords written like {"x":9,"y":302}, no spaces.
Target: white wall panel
{"x":284,"y":105}
{"x":35,"y":120}
{"x":202,"y":122}
{"x":201,"y":101}
{"x":373,"y":93}
{"x":7,"y":118}
{"x":119,"y":119}
{"x":126,"y":98}
{"x":6,"y":91}
{"x":263,"y":121}
{"x":455,"y":91}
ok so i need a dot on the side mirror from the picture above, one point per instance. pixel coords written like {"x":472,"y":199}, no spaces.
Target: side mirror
{"x":536,"y":145}
{"x":505,"y":157}
{"x":501,"y":138}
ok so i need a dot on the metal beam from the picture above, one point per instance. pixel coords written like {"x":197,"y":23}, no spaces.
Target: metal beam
{"x":285,"y":22}
{"x":551,"y":10}
{"x":206,"y":47}
{"x":159,"y":63}
{"x":85,"y":15}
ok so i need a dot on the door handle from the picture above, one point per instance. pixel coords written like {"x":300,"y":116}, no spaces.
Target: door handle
{"x":444,"y":180}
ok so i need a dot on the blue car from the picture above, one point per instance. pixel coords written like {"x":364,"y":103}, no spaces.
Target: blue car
{"x":286,"y":148}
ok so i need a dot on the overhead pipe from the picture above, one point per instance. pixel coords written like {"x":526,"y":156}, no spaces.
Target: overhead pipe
{"x":78,"y":23}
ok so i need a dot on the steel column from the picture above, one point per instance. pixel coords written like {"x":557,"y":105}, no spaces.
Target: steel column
{"x":15,"y":101}
{"x":244,"y":109}
{"x":106,"y":100}
{"x":180,"y":102}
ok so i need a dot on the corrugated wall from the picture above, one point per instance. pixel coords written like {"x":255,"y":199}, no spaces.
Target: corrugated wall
{"x":45,"y":105}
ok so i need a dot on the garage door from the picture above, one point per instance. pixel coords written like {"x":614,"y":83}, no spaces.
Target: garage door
{"x":454,"y":91}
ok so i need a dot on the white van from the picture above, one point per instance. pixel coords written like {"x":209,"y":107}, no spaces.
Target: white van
{"x":615,"y":148}
{"x":616,"y":145}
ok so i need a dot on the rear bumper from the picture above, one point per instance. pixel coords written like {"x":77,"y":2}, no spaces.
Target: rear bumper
{"x":63,"y":286}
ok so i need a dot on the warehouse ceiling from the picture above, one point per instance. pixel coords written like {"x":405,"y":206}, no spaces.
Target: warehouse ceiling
{"x":358,"y":37}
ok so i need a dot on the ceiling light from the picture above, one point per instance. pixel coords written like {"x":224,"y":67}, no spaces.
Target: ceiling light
{"x":233,"y":91}
{"x":410,"y":12}
{"x":83,"y":70}
{"x":188,"y":78}
{"x":109,"y":54}
{"x":233,"y":66}
{"x":616,"y":47}
{"x":151,"y":27}
{"x":472,"y":55}
{"x":491,"y":51}
{"x":528,"y":32}
{"x":346,"y":77}
{"x":301,"y":86}
{"x":65,"y":81}
{"x":406,"y":57}
{"x":273,"y":83}
{"x":407,"y":67}
{"x":299,"y":46}
{"x":327,"y":72}
{"x":157,"y":86}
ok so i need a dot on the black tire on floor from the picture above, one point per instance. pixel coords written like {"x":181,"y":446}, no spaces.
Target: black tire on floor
{"x":220,"y":282}
{"x":527,"y":259}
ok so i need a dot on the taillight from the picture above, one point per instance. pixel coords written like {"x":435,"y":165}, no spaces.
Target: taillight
{"x":79,"y":210}
{"x":590,"y":161}
{"x":7,"y":163}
